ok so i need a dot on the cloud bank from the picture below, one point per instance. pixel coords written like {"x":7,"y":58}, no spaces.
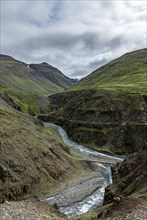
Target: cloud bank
{"x":75,"y":36}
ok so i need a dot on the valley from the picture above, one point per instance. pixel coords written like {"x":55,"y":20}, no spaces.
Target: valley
{"x":105,"y":117}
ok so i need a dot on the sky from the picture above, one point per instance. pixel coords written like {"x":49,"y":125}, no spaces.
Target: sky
{"x":76,"y":36}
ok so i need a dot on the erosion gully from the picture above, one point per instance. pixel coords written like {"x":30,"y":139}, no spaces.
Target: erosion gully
{"x":87,"y":194}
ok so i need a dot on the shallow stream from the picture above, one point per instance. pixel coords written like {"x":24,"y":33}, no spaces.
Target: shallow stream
{"x":89,"y":193}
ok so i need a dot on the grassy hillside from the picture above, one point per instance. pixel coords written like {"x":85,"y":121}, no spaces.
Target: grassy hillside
{"x":28,"y":87}
{"x":127,"y":73}
{"x":30,"y":158}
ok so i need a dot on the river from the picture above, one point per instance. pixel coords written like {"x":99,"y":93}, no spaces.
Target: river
{"x":88,"y":193}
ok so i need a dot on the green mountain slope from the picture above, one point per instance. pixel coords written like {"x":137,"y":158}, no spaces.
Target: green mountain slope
{"x":28,"y":87}
{"x":127,"y":73}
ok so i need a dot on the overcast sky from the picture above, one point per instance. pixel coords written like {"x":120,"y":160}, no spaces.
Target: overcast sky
{"x":75,"y":36}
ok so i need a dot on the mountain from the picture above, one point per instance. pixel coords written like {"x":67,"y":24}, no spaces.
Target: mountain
{"x":107,"y":110}
{"x":29,"y":87}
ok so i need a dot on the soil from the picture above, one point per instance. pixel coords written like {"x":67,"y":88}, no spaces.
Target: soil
{"x":30,"y":209}
{"x":129,"y":209}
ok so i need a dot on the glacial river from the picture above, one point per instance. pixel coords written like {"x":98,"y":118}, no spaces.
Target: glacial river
{"x":88,"y":194}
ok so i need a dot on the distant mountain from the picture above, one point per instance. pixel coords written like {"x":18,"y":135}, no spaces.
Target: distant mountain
{"x":52,"y":74}
{"x":74,"y":80}
{"x":29,"y":85}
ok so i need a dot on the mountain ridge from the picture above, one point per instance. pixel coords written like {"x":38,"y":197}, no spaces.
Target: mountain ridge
{"x":127,"y":73}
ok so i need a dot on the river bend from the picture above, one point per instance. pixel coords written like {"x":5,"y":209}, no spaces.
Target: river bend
{"x":89,"y":193}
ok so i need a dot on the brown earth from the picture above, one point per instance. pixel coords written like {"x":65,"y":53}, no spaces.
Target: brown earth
{"x":30,"y":209}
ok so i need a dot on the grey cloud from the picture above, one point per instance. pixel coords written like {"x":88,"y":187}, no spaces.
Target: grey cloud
{"x":61,"y":41}
{"x":75,"y":36}
{"x":95,"y":64}
{"x":115,"y":42}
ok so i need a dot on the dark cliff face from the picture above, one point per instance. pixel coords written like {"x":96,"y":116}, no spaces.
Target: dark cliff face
{"x":106,"y":120}
{"x":129,"y":178}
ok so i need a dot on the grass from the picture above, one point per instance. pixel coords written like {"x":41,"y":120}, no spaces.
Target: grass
{"x":86,"y":216}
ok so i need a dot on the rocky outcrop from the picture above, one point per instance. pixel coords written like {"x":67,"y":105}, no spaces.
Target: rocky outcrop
{"x":10,"y":101}
{"x":129,"y":178}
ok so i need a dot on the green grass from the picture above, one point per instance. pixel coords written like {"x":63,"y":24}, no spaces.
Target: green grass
{"x":28,"y":102}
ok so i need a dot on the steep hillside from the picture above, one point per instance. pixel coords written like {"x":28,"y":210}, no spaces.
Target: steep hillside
{"x":112,"y":119}
{"x":28,"y":87}
{"x":127,"y":73}
{"x":31,"y":157}
{"x":53,"y":74}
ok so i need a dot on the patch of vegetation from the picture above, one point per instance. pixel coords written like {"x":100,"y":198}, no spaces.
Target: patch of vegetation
{"x":86,"y":216}
{"x":48,"y":132}
{"x":29,"y":103}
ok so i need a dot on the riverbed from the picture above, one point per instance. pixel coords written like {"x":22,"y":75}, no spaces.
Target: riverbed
{"x":87,"y":193}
